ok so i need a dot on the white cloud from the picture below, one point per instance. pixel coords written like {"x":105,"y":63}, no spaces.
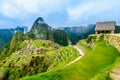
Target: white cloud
{"x":8,"y":10}
{"x":79,"y":10}
{"x":83,"y":11}
{"x":22,"y":8}
{"x":76,"y":11}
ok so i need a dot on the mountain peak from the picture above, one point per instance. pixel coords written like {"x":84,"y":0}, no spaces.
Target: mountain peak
{"x":39,"y":20}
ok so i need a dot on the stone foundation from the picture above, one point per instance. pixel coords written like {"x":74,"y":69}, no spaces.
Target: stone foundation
{"x":113,"y":39}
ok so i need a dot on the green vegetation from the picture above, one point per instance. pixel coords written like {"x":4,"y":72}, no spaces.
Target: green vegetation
{"x":43,"y":31}
{"x":46,"y":60}
{"x":105,"y":73}
{"x":117,"y":29}
{"x":95,"y":60}
{"x":5,"y":36}
{"x":60,"y":37}
{"x":13,"y":46}
{"x":33,"y":57}
{"x":63,"y":56}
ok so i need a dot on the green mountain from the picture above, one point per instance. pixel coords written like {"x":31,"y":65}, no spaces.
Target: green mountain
{"x":36,"y":59}
{"x":117,"y":29}
{"x":5,"y":36}
{"x":77,"y":33}
{"x":61,"y":37}
{"x":8,"y":49}
{"x":47,"y":54}
{"x":74,"y":34}
{"x":41,"y":30}
{"x":28,"y":55}
{"x":34,"y":56}
{"x":99,"y":59}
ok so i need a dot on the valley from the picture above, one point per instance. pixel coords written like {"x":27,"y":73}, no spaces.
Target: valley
{"x":59,"y":39}
{"x":45,"y":53}
{"x":96,"y":64}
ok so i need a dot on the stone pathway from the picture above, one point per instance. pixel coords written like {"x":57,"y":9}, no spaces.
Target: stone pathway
{"x":81,"y":54}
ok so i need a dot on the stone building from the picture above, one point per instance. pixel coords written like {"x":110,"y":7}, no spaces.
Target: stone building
{"x":105,"y":27}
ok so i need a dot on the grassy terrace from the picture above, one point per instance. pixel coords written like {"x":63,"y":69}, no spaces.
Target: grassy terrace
{"x":86,"y":68}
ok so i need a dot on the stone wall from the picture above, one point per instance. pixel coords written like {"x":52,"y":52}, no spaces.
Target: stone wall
{"x":113,"y":39}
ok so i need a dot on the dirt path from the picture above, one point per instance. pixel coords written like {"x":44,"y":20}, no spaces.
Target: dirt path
{"x":81,"y":54}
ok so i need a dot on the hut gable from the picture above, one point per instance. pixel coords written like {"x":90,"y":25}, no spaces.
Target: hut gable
{"x":105,"y":26}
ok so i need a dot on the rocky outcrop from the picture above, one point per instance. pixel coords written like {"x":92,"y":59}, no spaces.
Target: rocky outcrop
{"x":113,"y":39}
{"x":41,"y":30}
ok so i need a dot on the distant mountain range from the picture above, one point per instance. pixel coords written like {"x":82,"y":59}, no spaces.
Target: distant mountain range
{"x":7,"y":34}
{"x":42,"y":49}
{"x":79,"y":32}
{"x":41,"y":30}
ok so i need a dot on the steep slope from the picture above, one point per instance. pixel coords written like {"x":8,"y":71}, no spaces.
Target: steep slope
{"x":34,"y":56}
{"x":79,"y":32}
{"x":96,"y":59}
{"x":61,"y":37}
{"x":30,"y":59}
{"x":117,"y":29}
{"x":5,"y":36}
{"x":13,"y":45}
{"x":41,"y":30}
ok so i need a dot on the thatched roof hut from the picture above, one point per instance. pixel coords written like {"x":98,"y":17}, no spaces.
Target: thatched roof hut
{"x":105,"y":25}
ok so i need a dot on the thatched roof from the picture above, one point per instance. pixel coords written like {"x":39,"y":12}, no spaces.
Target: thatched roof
{"x":105,"y":25}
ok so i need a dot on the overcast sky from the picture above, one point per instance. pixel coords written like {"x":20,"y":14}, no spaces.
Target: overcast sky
{"x":58,"y":13}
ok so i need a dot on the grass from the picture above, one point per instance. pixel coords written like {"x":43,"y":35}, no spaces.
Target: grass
{"x":25,"y":62}
{"x":86,"y":68}
{"x":105,"y":73}
{"x":63,"y":56}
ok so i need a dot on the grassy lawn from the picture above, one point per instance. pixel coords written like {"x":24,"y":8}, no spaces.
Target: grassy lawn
{"x":86,"y":68}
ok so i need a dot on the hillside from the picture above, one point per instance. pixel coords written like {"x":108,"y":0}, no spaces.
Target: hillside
{"x":32,"y":57}
{"x":41,"y":30}
{"x":79,"y":32}
{"x":97,"y":59}
{"x":61,"y":37}
{"x":5,"y":36}
{"x":72,"y":34}
{"x":117,"y":29}
{"x":13,"y":45}
{"x":45,"y":53}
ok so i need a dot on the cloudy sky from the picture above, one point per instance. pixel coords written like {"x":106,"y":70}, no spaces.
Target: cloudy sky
{"x":58,"y":13}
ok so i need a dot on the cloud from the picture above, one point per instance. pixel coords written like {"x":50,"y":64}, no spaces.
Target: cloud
{"x":15,"y":8}
{"x":84,"y":11}
{"x":8,"y":10}
{"x":24,"y":12}
{"x":57,"y":12}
